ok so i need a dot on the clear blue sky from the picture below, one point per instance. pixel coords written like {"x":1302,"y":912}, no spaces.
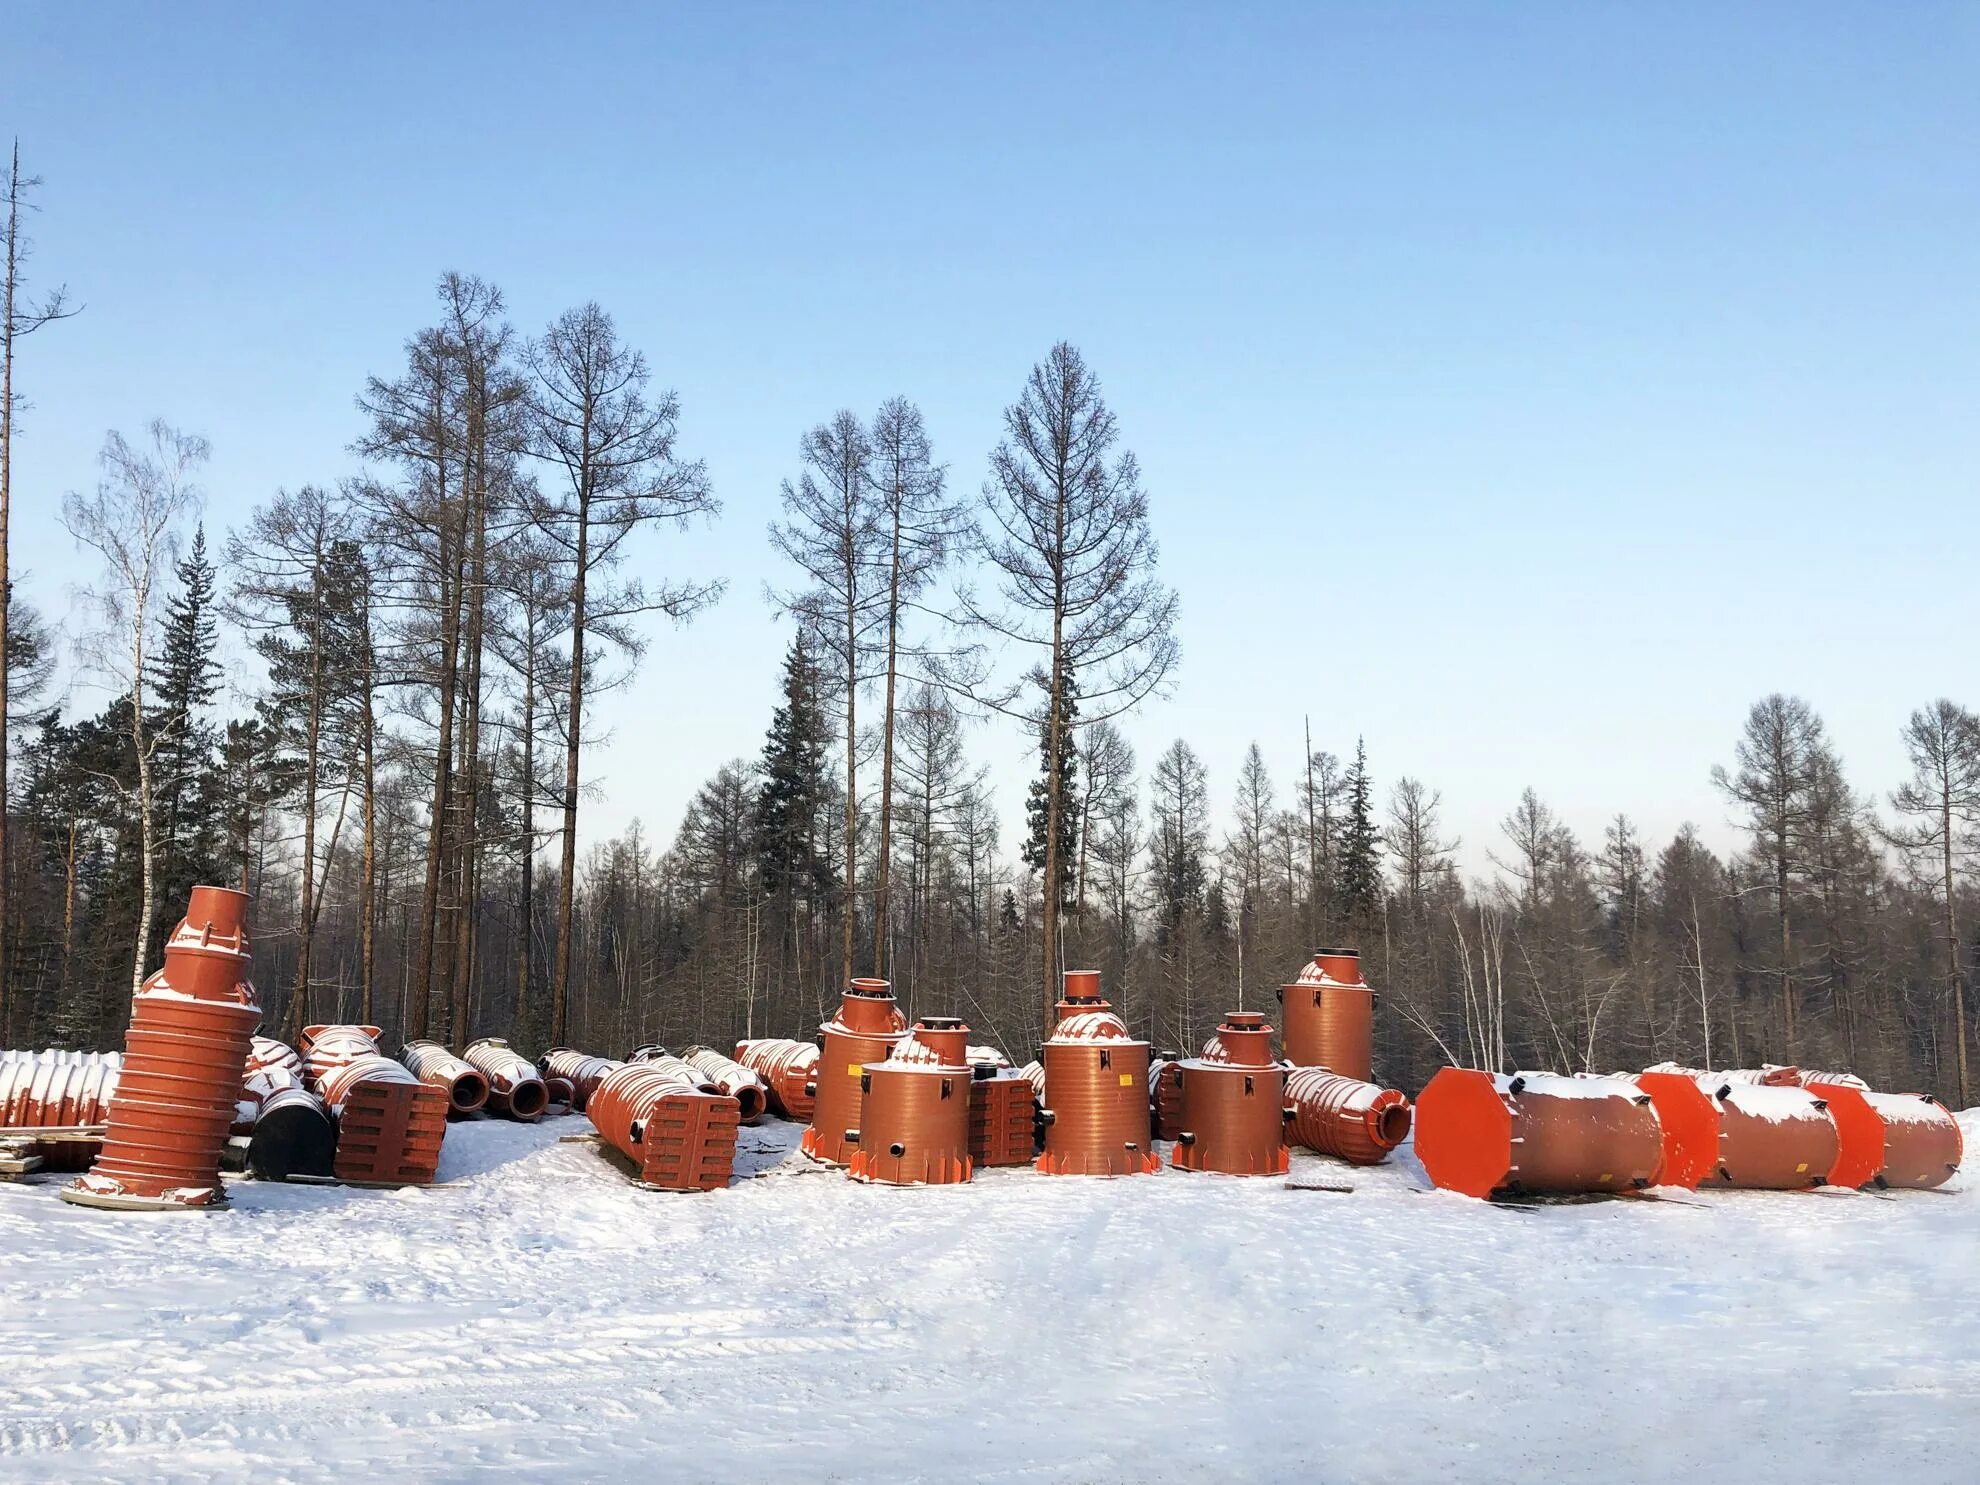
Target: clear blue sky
{"x":1526,"y":388}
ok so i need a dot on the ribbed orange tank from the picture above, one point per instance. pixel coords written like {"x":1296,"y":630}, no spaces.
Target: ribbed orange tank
{"x":184,"y":1056}
{"x":1234,"y":1108}
{"x":1330,"y":1016}
{"x":465,"y":1085}
{"x":582,"y":1072}
{"x":789,"y":1068}
{"x":681,"y":1137}
{"x":1096,"y":1089}
{"x":390,"y":1125}
{"x":1003,"y":1117}
{"x":914,"y":1127}
{"x":866,"y":1029}
{"x":1165,"y":1098}
{"x":515,"y":1088}
{"x":1485,"y":1134}
{"x":1344,"y":1117}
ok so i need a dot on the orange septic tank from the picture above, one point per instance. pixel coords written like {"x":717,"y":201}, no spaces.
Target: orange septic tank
{"x":515,"y":1087}
{"x":1485,"y":1134}
{"x":1889,"y":1139}
{"x":1096,"y":1089}
{"x":1003,"y":1116}
{"x":582,"y":1072}
{"x":1330,"y":1016}
{"x":790,"y":1069}
{"x":914,"y":1117}
{"x":1356,"y":1121}
{"x":1234,"y":1107}
{"x":865,"y":1030}
{"x":680,"y":1134}
{"x":184,"y":1055}
{"x":465,"y":1085}
{"x":390,"y":1125}
{"x":1771,"y":1137}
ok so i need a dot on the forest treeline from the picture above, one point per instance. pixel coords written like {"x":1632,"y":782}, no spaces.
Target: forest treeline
{"x":370,"y":705}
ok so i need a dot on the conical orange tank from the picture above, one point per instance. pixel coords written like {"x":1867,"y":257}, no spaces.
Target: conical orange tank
{"x":1771,"y":1138}
{"x":789,"y":1068}
{"x":681,"y":1137}
{"x":1096,"y":1089}
{"x":1906,"y":1140}
{"x":514,"y":1086}
{"x":179,"y":1085}
{"x":465,"y":1085}
{"x":582,"y":1072}
{"x":1234,"y":1109}
{"x":915,"y":1110}
{"x":1330,"y":1016}
{"x":1488,"y":1135}
{"x":1354,"y":1121}
{"x":865,"y":1030}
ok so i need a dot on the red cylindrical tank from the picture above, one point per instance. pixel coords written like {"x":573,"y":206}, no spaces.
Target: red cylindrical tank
{"x":914,"y":1128}
{"x":514,"y":1088}
{"x":1358,"y":1122}
{"x":742,"y":1084}
{"x":681,"y":1137}
{"x":390,"y":1124}
{"x":583,"y":1073}
{"x":1234,"y":1109}
{"x":789,"y":1068}
{"x":1330,"y":1016}
{"x":866,"y":1029}
{"x":1485,"y":1134}
{"x":1034,"y":1074}
{"x":1770,"y":1137}
{"x":1890,"y":1139}
{"x":180,"y":1081}
{"x":465,"y":1085}
{"x":1096,"y":1089}
{"x":61,"y":1090}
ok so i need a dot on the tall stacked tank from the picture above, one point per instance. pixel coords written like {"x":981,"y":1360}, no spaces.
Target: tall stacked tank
{"x":1096,"y":1089}
{"x":191,"y":1024}
{"x":865,"y":1030}
{"x":1233,"y":1104}
{"x":914,"y":1118}
{"x":1330,"y":1016}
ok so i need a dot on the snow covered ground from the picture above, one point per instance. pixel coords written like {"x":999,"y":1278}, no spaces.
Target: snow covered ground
{"x":546,"y":1318}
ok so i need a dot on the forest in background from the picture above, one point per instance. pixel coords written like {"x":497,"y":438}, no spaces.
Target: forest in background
{"x":398,"y":775}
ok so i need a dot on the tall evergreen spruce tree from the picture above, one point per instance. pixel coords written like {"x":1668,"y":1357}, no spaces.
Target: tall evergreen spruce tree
{"x":185,"y":680}
{"x":794,"y":792}
{"x":1038,"y":802}
{"x":1358,"y":880}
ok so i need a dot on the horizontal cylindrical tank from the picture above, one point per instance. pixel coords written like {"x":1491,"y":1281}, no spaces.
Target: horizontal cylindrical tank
{"x":582,"y":1072}
{"x":1344,"y":1117}
{"x":1907,"y":1140}
{"x":1329,"y":1018}
{"x":293,"y":1134}
{"x":680,"y":1137}
{"x":731,"y":1077}
{"x":465,"y":1085}
{"x":1772,"y":1138}
{"x":514,"y":1086}
{"x":1165,"y":1097}
{"x":866,"y":1029}
{"x":390,"y":1124}
{"x":914,"y":1116}
{"x":789,"y":1068}
{"x":1096,"y":1089}
{"x":59,"y":1090}
{"x":1488,"y":1135}
{"x":1034,"y":1074}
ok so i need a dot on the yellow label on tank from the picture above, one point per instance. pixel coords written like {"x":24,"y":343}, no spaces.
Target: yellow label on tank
{"x":1127,"y":1080}
{"x":1607,"y":1176}
{"x":854,"y":1069}
{"x":1799,"y":1169}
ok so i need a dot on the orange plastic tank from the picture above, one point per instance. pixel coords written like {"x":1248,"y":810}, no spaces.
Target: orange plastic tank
{"x":1234,"y":1110}
{"x":1003,"y":1117}
{"x":914,"y":1115}
{"x":866,"y":1029}
{"x":179,"y":1085}
{"x":1330,"y":1016}
{"x":1344,"y":1117}
{"x":681,"y":1137}
{"x":1689,"y":1118}
{"x":1488,"y":1135}
{"x":465,"y":1085}
{"x":1096,"y":1089}
{"x":1771,"y":1137}
{"x":1907,"y":1140}
{"x":515,"y":1088}
{"x":583,"y":1073}
{"x":1165,"y":1097}
{"x":789,"y":1068}
{"x":390,"y":1125}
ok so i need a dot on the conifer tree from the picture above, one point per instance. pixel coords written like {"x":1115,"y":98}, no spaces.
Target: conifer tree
{"x":793,"y":793}
{"x":185,"y":680}
{"x":1358,"y":881}
{"x":1038,"y":802}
